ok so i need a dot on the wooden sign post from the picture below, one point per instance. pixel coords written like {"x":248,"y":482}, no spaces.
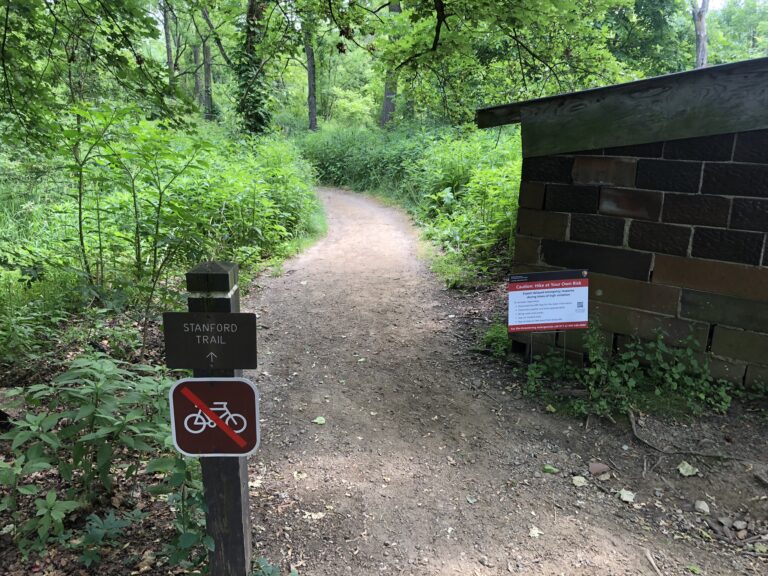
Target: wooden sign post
{"x":212,"y":288}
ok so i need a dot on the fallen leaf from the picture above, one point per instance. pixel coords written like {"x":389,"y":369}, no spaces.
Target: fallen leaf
{"x":604,"y":477}
{"x":314,"y":515}
{"x":299,"y":475}
{"x":320,"y":420}
{"x":761,"y":548}
{"x":693,"y":569}
{"x":686,"y":469}
{"x":549,"y":469}
{"x":579,"y":481}
{"x":626,"y":495}
{"x":534,"y":532}
{"x":471,"y":499}
{"x":550,"y":408}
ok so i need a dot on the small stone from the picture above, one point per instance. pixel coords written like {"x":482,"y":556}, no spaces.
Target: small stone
{"x":604,"y":477}
{"x":626,"y":496}
{"x":741,"y":534}
{"x":579,"y":481}
{"x":739,"y":525}
{"x":701,"y":507}
{"x":725,"y":521}
{"x":598,"y":468}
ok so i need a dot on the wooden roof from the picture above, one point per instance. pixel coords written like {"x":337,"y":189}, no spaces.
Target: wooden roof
{"x":714,"y":100}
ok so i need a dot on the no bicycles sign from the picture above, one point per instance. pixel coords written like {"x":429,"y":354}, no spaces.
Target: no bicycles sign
{"x":215,"y":416}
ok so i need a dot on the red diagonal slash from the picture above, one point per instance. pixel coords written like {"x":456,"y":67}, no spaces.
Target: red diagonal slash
{"x":195,"y":399}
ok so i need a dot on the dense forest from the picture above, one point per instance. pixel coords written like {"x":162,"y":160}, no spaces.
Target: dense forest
{"x":143,"y":137}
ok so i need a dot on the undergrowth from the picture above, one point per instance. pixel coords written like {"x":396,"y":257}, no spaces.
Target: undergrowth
{"x":642,"y":374}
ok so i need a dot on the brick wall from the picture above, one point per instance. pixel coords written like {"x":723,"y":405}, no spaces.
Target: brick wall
{"x":674,"y":234}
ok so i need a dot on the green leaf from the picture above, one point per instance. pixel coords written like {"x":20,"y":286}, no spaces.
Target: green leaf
{"x":21,"y":438}
{"x":188,"y":539}
{"x":163,"y":464}
{"x":320,"y":420}
{"x":28,"y":490}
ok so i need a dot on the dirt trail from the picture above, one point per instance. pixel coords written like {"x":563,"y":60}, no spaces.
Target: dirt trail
{"x":428,"y":463}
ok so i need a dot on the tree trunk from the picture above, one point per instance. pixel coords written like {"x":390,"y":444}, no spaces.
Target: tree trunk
{"x":168,"y":43}
{"x":311,"y":79}
{"x":390,"y":83}
{"x":207,"y":81}
{"x":198,"y":90}
{"x":254,"y":14}
{"x":699,"y":14}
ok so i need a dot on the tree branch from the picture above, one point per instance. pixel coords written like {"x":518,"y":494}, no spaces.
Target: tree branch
{"x":216,"y":38}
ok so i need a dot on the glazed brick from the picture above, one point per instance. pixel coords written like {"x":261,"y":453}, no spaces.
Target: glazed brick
{"x":735,"y":180}
{"x":565,"y":198}
{"x":729,"y":371}
{"x":710,"y":276}
{"x":740,"y":344}
{"x":651,"y":150}
{"x":531,"y":195}
{"x":527,"y":250}
{"x":663,"y":238}
{"x":630,"y":203}
{"x":611,"y":171}
{"x":719,"y":309}
{"x":669,"y":175}
{"x":749,"y":214}
{"x":625,"y":263}
{"x":751,"y":147}
{"x":634,"y":294}
{"x":717,"y":147}
{"x":597,"y":229}
{"x":730,"y":245}
{"x":542,"y":224}
{"x":548,"y":169}
{"x":575,"y":340}
{"x":641,"y":324}
{"x":756,"y":377}
{"x":696,"y":209}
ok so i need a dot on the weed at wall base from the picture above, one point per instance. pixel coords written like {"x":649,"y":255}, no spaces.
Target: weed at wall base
{"x":618,"y":382}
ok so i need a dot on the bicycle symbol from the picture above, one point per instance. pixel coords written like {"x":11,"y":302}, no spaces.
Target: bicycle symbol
{"x":197,"y":422}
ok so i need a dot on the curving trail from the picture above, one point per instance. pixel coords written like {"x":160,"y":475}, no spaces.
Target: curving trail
{"x":428,"y":462}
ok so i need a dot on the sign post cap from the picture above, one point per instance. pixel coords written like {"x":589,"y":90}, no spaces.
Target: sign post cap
{"x":212,"y":277}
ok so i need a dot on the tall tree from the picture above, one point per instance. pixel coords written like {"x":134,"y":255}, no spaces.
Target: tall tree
{"x":390,"y":81}
{"x":309,"y":52}
{"x":170,"y":63}
{"x":252,"y":87}
{"x":699,"y":14}
{"x":208,"y":104}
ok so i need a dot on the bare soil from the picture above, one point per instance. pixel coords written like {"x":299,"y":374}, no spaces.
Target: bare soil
{"x":430,"y":462}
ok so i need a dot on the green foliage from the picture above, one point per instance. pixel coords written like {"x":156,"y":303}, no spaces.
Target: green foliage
{"x":460,"y":185}
{"x":616,"y":382}
{"x":140,"y":202}
{"x":496,"y":340}
{"x":101,"y":532}
{"x":738,"y":31}
{"x":92,"y":415}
